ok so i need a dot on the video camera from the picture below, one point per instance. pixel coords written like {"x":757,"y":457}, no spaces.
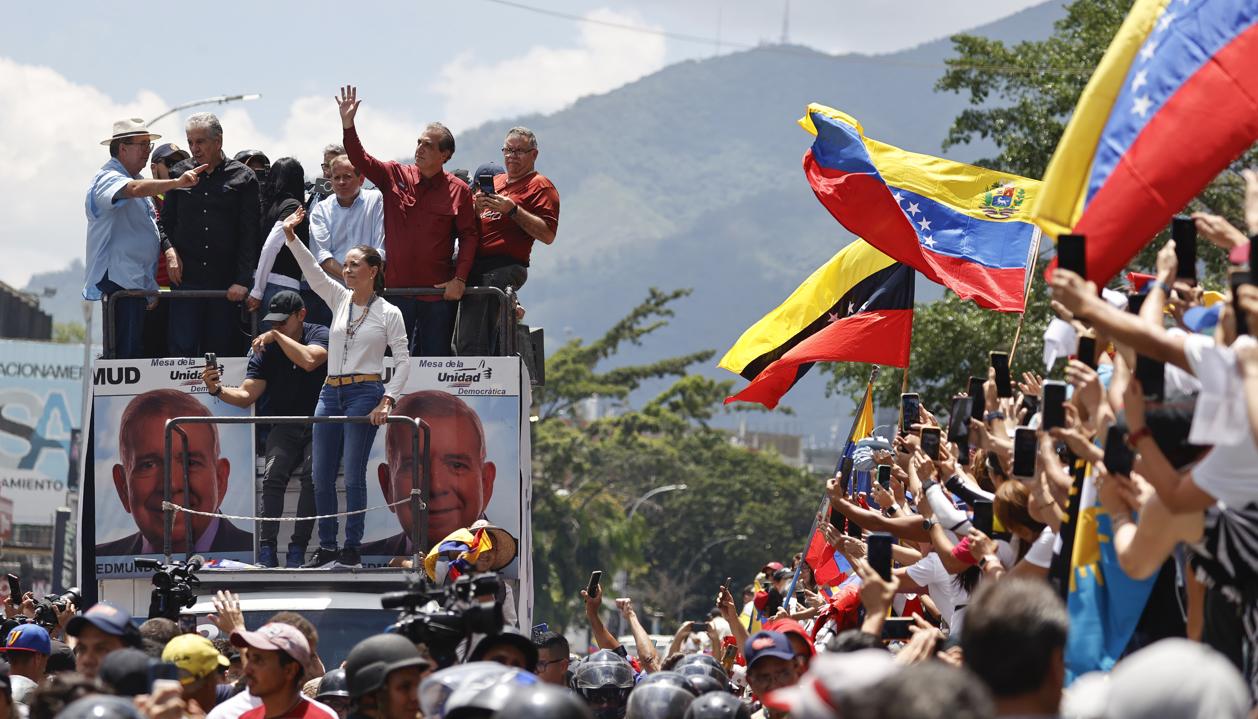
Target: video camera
{"x":46,"y":609}
{"x":172,"y":585}
{"x":441,"y":617}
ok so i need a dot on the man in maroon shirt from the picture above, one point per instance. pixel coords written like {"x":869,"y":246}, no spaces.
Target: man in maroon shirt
{"x":425,"y":210}
{"x":523,"y":207}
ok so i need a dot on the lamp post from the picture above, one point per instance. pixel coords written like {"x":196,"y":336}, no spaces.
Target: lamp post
{"x":633,"y":508}
{"x":700,"y":553}
{"x":216,"y":100}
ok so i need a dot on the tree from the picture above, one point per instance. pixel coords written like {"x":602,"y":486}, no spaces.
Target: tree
{"x":69,"y":332}
{"x":588,"y":471}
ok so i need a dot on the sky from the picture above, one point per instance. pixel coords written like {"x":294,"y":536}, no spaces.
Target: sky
{"x":68,"y":72}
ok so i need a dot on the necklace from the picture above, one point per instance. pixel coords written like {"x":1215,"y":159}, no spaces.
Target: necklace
{"x":352,"y":326}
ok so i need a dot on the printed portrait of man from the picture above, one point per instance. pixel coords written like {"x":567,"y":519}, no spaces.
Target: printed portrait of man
{"x":138,"y":478}
{"x":462,"y":478}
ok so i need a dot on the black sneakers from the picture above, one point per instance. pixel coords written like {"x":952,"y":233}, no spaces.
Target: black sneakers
{"x":323,"y":559}
{"x":349,"y":558}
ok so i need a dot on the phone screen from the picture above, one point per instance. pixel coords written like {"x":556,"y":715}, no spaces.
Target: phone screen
{"x":1072,"y":254}
{"x":1118,"y":456}
{"x":897,"y":628}
{"x":958,"y":420}
{"x":1000,"y":363}
{"x":930,"y":442}
{"x":983,"y":517}
{"x":1024,"y":452}
{"x":978,"y":400}
{"x":1152,"y":376}
{"x":595,"y":578}
{"x":884,"y":476}
{"x":187,"y":623}
{"x":1184,"y":232}
{"x":1087,"y":350}
{"x":879,"y":552}
{"x":1054,"y":405}
{"x":15,"y":590}
{"x":910,"y":411}
{"x":485,"y":183}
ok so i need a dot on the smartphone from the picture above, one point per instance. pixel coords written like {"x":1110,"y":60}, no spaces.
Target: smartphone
{"x":698,"y":627}
{"x":1024,"y":448}
{"x":978,"y":405}
{"x":1152,"y":376}
{"x":1237,"y":278}
{"x":15,"y":590}
{"x":897,"y":628}
{"x":910,"y":411}
{"x":322,"y":186}
{"x":1087,"y":350}
{"x":1134,"y":302}
{"x":1072,"y":254}
{"x":958,"y":420}
{"x":485,"y":183}
{"x":1184,"y":232}
{"x":845,"y":476}
{"x":731,"y":652}
{"x":1054,"y":405}
{"x":1004,"y":384}
{"x":729,"y":585}
{"x":930,"y":442}
{"x":884,"y":476}
{"x":800,"y":598}
{"x":187,"y":623}
{"x":851,"y":529}
{"x":983,"y":517}
{"x":211,"y":360}
{"x":595,"y":578}
{"x":879,"y":553}
{"x":1118,"y":456}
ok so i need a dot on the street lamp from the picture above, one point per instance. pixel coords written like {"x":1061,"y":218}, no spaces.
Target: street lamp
{"x":700,"y":553}
{"x":216,"y":100}
{"x":658,"y":490}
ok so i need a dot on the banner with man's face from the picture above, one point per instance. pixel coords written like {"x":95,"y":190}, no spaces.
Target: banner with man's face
{"x":132,"y":400}
{"x":476,"y":413}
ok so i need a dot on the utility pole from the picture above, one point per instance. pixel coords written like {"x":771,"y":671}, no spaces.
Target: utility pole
{"x":786,"y":23}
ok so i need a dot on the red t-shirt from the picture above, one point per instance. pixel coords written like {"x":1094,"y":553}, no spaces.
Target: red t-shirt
{"x":304,"y":709}
{"x":500,"y":235}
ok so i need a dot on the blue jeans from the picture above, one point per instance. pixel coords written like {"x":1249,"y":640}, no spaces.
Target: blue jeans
{"x":430,"y":325}
{"x":352,"y":442}
{"x":128,"y":321}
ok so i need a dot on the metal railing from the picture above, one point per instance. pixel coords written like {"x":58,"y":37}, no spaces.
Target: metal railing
{"x":421,"y":474}
{"x":506,"y":310}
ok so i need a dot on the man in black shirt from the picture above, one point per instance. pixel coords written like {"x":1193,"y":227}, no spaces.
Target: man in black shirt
{"x":289,"y":364}
{"x":215,"y":228}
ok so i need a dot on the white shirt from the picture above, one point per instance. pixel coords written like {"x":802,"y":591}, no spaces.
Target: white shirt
{"x":244,"y":701}
{"x":334,"y":229}
{"x":270,"y":250}
{"x":929,"y":572}
{"x":1229,"y":473}
{"x":364,"y":352}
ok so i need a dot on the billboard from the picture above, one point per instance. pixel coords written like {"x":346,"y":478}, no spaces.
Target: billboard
{"x":132,"y":399}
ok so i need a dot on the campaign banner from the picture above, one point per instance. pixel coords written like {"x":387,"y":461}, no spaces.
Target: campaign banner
{"x":41,"y":400}
{"x":132,"y":400}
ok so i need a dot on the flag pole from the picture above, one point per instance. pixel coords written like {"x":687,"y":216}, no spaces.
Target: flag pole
{"x":1026,"y":292}
{"x":825,"y":498}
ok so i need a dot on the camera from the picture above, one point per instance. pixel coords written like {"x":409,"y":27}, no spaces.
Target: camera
{"x":173,"y":585}
{"x":47,"y":608}
{"x":442,"y":617}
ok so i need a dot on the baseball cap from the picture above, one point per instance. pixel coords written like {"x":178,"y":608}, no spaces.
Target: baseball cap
{"x":170,"y":153}
{"x":767,"y":644}
{"x":276,"y":637}
{"x":195,"y":656}
{"x":772,"y":567}
{"x":790,"y":626}
{"x":283,"y":304}
{"x":1202,"y":320}
{"x":28,"y":638}
{"x":489,"y":168}
{"x":105,"y":617}
{"x":246,"y":155}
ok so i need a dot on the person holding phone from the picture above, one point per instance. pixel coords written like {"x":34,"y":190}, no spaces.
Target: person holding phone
{"x":522,"y":209}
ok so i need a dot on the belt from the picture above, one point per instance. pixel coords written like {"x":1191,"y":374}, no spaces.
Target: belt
{"x":345,"y":379}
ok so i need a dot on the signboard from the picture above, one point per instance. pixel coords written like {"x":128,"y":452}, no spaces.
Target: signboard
{"x":41,"y":390}
{"x":132,"y":400}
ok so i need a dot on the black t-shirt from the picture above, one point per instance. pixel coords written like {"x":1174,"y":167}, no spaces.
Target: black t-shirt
{"x":290,"y":390}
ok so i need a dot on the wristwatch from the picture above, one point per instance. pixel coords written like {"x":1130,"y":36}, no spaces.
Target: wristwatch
{"x":928,"y":523}
{"x":996,"y":414}
{"x":217,"y":391}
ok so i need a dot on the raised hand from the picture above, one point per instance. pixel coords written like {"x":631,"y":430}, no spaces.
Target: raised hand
{"x":191,"y":177}
{"x":291,"y":222}
{"x":347,"y":102}
{"x":1218,"y":231}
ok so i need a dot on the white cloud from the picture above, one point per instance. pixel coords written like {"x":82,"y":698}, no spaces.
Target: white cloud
{"x":49,"y":150}
{"x":546,"y":79}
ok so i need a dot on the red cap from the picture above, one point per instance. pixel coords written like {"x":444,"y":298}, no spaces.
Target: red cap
{"x":790,"y":626}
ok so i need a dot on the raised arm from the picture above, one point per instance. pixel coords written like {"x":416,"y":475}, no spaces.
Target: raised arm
{"x":322,"y":285}
{"x":647,"y":655}
{"x":598,"y":631}
{"x":1080,"y":298}
{"x":152,"y":188}
{"x":376,"y":171}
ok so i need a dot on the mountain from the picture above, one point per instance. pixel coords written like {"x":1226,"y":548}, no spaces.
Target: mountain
{"x":691,"y":177}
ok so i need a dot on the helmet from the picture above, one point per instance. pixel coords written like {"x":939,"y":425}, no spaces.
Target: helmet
{"x":707,"y":659}
{"x":246,"y":155}
{"x":605,"y":679}
{"x":543,"y":701}
{"x":101,"y":706}
{"x":439,"y":687}
{"x":333,"y":684}
{"x":372,"y":660}
{"x":701,"y":684}
{"x":658,"y":700}
{"x":481,"y":696}
{"x":718,"y":706}
{"x":670,"y":678}
{"x":703,"y":669}
{"x":510,"y":638}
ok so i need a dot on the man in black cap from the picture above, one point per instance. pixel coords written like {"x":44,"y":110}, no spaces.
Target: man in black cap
{"x":255,"y":160}
{"x":383,"y":673}
{"x":289,"y":364}
{"x":99,"y":631}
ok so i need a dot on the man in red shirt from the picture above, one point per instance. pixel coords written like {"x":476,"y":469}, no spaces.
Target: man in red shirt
{"x":523,"y":208}
{"x":275,"y":660}
{"x":425,"y":210}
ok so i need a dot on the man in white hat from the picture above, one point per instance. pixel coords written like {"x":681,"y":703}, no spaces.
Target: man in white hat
{"x":123,"y":242}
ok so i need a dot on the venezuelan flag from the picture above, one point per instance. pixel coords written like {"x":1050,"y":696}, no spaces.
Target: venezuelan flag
{"x":858,"y":307}
{"x":1172,"y":102}
{"x":960,"y":225}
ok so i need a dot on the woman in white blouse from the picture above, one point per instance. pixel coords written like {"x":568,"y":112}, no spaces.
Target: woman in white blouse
{"x":363,"y":325}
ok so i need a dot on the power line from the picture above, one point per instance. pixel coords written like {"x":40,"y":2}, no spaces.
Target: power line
{"x":721,"y":43}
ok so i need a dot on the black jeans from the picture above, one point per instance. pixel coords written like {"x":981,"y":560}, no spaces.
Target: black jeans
{"x":287,"y":456}
{"x":478,"y":314}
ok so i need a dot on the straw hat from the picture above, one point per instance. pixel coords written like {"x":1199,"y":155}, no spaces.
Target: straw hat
{"x":504,"y":545}
{"x":130,"y":127}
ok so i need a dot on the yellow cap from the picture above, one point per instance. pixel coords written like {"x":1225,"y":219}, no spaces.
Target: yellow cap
{"x":195,"y":655}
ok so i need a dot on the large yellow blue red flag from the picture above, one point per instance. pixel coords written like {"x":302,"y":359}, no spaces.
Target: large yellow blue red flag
{"x":962,"y":226}
{"x":1173,"y":101}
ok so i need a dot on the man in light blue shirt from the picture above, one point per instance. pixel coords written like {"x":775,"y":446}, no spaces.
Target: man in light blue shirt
{"x":351,"y":216}
{"x":123,"y":241}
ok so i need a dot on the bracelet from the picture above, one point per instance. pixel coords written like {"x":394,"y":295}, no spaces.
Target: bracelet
{"x":993,"y":415}
{"x":217,"y":392}
{"x":392,"y":402}
{"x":514,"y":209}
{"x":1162,"y":286}
{"x":460,"y":279}
{"x":1134,"y":438}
